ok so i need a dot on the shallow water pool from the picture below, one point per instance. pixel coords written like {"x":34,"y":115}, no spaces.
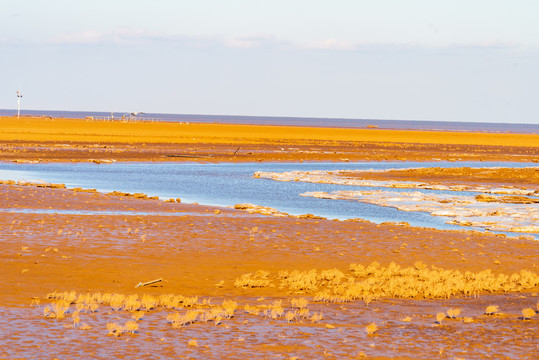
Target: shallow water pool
{"x":226,"y":184}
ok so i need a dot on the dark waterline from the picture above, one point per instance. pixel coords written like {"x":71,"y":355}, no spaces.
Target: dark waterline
{"x":296,"y":121}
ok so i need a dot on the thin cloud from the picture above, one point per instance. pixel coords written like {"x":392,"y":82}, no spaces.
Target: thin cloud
{"x":487,"y":44}
{"x":122,"y":35}
{"x":85,"y":37}
{"x":331,"y":44}
{"x":249,"y":42}
{"x":342,"y":45}
{"x":130,"y":36}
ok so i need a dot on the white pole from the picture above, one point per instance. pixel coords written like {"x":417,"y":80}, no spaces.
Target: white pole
{"x":19,"y":96}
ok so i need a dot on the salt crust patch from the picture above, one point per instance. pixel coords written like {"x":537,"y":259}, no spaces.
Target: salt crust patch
{"x":462,"y":210}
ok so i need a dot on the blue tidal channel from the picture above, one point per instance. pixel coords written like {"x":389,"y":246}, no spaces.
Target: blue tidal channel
{"x":226,"y":184}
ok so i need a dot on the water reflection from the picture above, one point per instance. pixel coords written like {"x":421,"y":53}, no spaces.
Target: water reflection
{"x":226,"y":184}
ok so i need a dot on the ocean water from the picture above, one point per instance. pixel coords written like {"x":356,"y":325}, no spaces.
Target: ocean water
{"x":296,"y":121}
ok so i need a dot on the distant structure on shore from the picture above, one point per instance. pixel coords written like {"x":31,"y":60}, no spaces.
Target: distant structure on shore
{"x":19,"y":97}
{"x":516,"y":128}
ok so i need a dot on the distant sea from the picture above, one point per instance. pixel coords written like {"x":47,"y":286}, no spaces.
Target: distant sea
{"x":296,"y":121}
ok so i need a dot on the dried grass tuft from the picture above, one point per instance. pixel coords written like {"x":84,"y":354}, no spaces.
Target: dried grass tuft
{"x":528,"y":313}
{"x":229,"y":307}
{"x":317,"y":317}
{"x":371,"y":328}
{"x":492,"y":310}
{"x":149,"y":302}
{"x":440,"y":317}
{"x":114,"y":329}
{"x":252,"y":310}
{"x":131,"y":327}
{"x":374,"y":281}
{"x":192,"y":342}
{"x":300,"y":303}
{"x":290,"y":315}
{"x":258,"y":280}
{"x":453,"y":313}
{"x":137,"y":315}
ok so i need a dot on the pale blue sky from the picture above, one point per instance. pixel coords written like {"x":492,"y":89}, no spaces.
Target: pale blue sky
{"x":415,"y":60}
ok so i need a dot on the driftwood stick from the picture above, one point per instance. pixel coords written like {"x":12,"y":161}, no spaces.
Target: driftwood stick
{"x":148,"y":282}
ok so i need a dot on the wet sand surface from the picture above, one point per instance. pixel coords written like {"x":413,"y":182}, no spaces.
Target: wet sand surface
{"x":203,"y":253}
{"x":55,"y":240}
{"x":525,"y":178}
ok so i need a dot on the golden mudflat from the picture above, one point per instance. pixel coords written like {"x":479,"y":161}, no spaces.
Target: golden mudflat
{"x":83,"y":140}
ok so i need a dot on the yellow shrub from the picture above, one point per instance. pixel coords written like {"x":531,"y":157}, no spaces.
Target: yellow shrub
{"x":371,"y":328}
{"x":528,"y":313}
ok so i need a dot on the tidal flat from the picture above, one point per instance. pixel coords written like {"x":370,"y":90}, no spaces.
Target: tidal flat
{"x":237,"y":285}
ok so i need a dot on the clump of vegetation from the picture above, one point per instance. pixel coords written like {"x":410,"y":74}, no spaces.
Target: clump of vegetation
{"x":453,"y":313}
{"x":170,"y":301}
{"x":374,"y":281}
{"x":302,"y":313}
{"x":76,"y":319}
{"x":137,"y":315}
{"x":57,"y":309}
{"x":149,"y":302}
{"x":300,"y":303}
{"x":91,"y":302}
{"x":528,"y":313}
{"x":317,"y":317}
{"x":192,"y":342}
{"x":116,"y":301}
{"x":131,"y":327}
{"x":178,"y":320}
{"x":115,"y":329}
{"x":492,"y":310}
{"x":258,"y":280}
{"x":290,"y":315}
{"x":299,"y":280}
{"x":131,"y":303}
{"x":277,"y":311}
{"x":371,"y":328}
{"x":440,"y":317}
{"x":252,"y":310}
{"x":229,"y":307}
{"x":213,"y":314}
{"x":69,"y":297}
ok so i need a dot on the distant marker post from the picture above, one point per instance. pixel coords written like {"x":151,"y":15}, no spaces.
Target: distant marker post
{"x":19,"y":96}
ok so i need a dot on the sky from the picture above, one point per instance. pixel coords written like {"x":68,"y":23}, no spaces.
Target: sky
{"x":472,"y":61}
